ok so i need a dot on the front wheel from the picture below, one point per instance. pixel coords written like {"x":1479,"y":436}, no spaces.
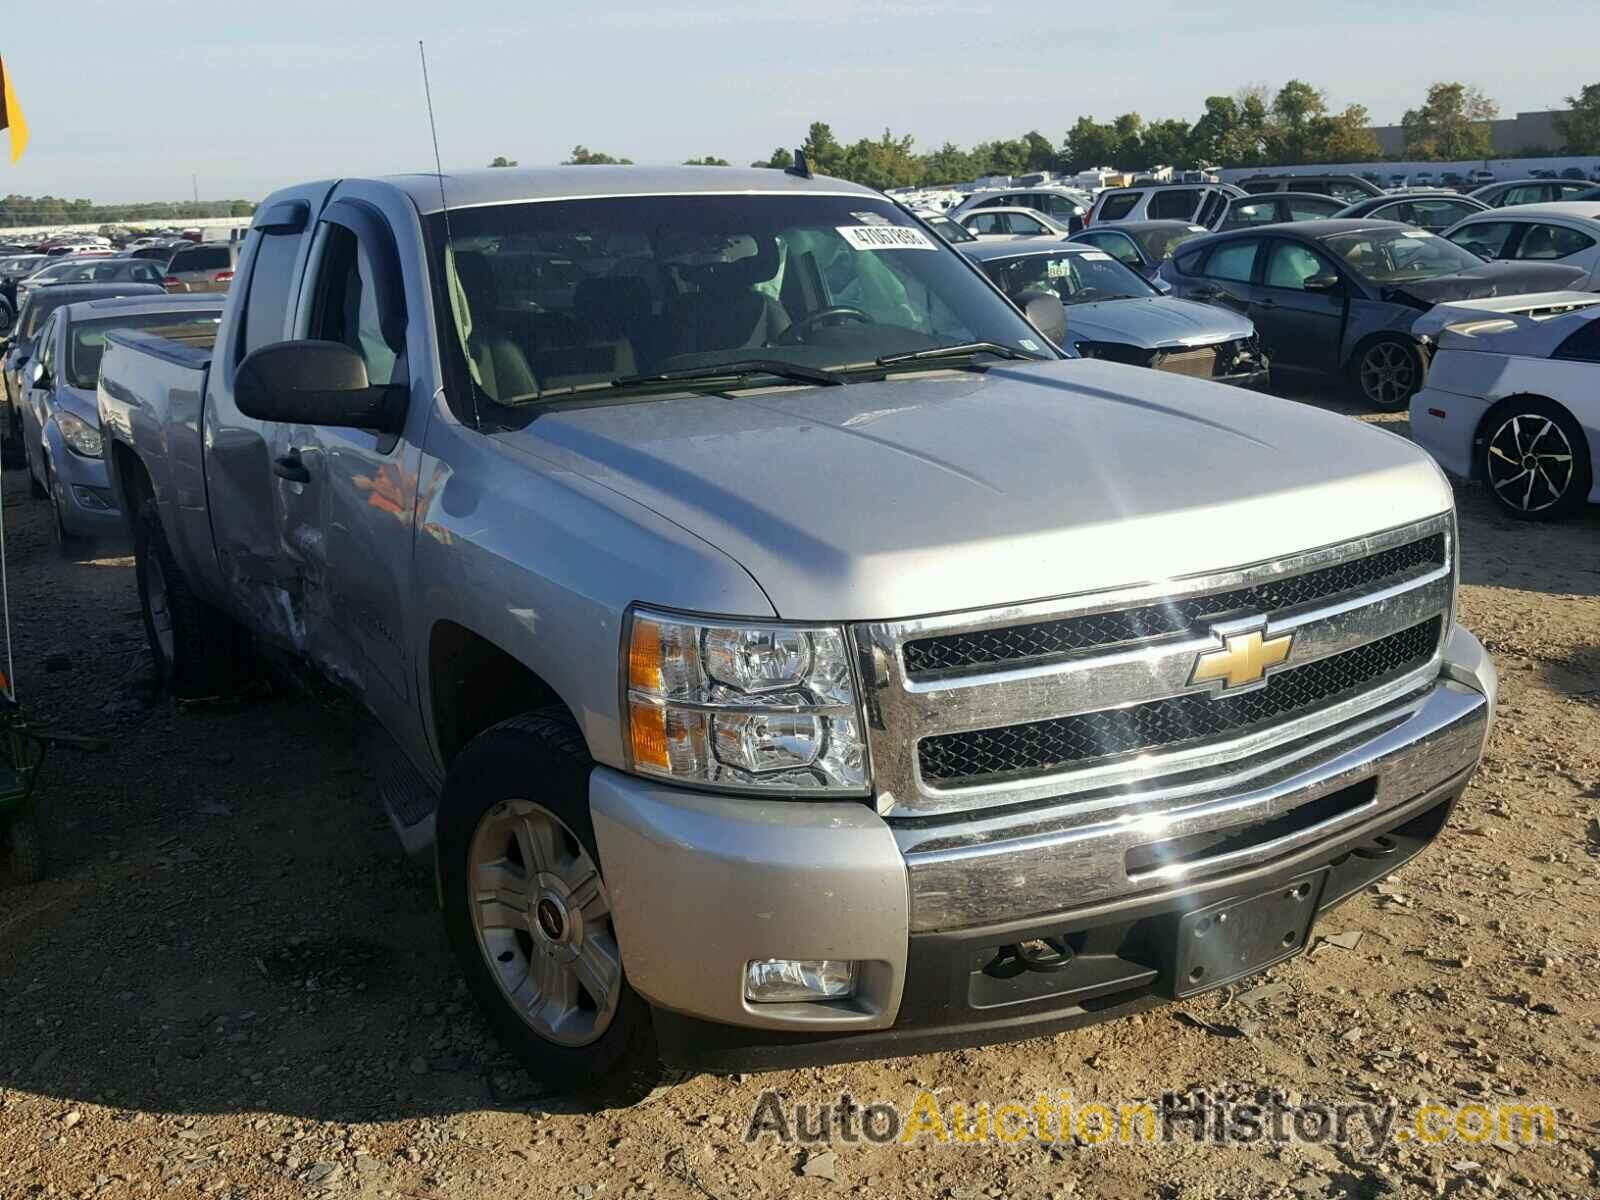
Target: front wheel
{"x":1535,"y":459}
{"x":1387,"y":373}
{"x":528,"y":914}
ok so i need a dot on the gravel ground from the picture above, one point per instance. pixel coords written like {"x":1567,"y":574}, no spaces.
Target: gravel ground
{"x":234,"y":985}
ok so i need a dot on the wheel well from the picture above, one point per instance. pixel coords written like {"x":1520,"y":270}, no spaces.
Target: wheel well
{"x":1500,"y":406}
{"x":476,"y":684}
{"x":133,"y":481}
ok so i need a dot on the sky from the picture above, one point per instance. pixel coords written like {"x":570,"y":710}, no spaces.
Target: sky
{"x":135,"y":99}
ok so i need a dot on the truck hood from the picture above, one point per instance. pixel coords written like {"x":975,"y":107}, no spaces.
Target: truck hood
{"x":1477,"y":283}
{"x":1155,"y":322}
{"x":950,"y":490}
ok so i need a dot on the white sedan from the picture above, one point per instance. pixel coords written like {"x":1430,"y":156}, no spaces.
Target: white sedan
{"x":1567,"y":233}
{"x":1513,"y":399}
{"x":1011,"y":224}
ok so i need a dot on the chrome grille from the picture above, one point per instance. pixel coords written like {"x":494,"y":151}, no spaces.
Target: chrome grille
{"x":1049,"y":745}
{"x":1045,"y":639}
{"x":1096,"y":693}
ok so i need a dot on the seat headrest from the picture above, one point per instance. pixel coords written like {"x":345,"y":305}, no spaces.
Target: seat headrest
{"x":740,"y":272}
{"x":477,"y":277}
{"x":615,"y":304}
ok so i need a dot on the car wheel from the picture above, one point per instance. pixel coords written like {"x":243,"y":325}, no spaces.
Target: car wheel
{"x":1387,"y":372}
{"x":528,"y":914}
{"x":67,"y":542}
{"x":193,"y":645}
{"x":1535,"y":459}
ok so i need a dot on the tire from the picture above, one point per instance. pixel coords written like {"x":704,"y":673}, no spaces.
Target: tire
{"x":67,"y":544}
{"x":36,"y":489}
{"x":1387,"y":372}
{"x":23,"y":840}
{"x":521,"y":790}
{"x":193,"y":645}
{"x":1535,"y":460}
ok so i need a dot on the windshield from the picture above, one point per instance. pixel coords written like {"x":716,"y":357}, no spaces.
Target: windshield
{"x":557,"y":295}
{"x":89,"y":338}
{"x":1400,"y":255}
{"x":1159,"y":244}
{"x":1077,"y":277}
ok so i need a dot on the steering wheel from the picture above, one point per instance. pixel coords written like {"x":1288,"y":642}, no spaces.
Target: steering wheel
{"x":838,"y":313}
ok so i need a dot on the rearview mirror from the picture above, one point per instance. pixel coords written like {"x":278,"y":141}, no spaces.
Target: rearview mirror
{"x":1325,"y":282}
{"x":1046,"y":313}
{"x":315,"y":383}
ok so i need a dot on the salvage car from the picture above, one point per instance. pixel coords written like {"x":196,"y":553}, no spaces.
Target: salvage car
{"x":1198,"y":205}
{"x":60,"y":416}
{"x":90,"y":270}
{"x":1340,"y":296}
{"x":1116,"y":315}
{"x":1567,"y":233}
{"x":1064,"y":206}
{"x":1275,"y":208}
{"x":1513,"y":399}
{"x":16,"y":350}
{"x":207,"y":267}
{"x":1010,"y":224}
{"x":1348,"y":188}
{"x":1141,"y":246}
{"x":748,"y":631}
{"x":14,"y":268}
{"x":1433,"y":211}
{"x":1510,"y":192}
{"x":950,"y":231}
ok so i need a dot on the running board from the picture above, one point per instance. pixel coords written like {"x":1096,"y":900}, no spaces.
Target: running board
{"x":409,"y":800}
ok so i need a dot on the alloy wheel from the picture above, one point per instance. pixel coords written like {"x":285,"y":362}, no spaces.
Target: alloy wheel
{"x":1531,"y":462}
{"x":542,"y":917}
{"x":1388,"y":374}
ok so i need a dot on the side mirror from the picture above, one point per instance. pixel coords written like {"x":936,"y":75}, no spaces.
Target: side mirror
{"x":39,"y":375}
{"x":315,"y":383}
{"x":1325,"y":282}
{"x":1046,"y":313}
{"x":1161,"y":285}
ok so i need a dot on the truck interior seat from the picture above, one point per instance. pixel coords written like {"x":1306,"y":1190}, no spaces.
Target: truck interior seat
{"x":502,"y":366}
{"x":725,"y":311}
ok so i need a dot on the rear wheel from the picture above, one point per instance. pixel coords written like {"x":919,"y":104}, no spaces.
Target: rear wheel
{"x":1535,"y":459}
{"x":193,"y":645}
{"x":1387,"y":373}
{"x":529,"y":916}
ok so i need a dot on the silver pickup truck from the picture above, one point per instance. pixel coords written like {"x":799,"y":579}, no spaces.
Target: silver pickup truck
{"x":789,"y":656}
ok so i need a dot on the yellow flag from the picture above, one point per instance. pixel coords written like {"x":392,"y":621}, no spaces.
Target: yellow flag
{"x":11,"y":115}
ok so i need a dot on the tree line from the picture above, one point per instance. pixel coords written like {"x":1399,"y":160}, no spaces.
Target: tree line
{"x":1254,"y":127}
{"x":20,"y":211}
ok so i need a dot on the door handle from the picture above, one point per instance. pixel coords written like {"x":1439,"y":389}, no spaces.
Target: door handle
{"x":1207,"y":293}
{"x":288,"y":466}
{"x":1266,"y":304}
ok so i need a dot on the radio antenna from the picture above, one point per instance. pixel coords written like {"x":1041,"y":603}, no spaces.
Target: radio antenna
{"x":449,"y":239}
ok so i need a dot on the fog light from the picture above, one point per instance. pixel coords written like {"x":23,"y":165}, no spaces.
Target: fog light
{"x":786,"y":980}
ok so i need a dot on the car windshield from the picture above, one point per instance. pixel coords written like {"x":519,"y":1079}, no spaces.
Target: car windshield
{"x":1159,"y":244}
{"x":1077,"y":277}
{"x":556,"y":296}
{"x":89,"y":338}
{"x":1400,"y":255}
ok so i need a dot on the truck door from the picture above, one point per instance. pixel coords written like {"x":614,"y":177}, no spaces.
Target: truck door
{"x":358,"y":488}
{"x":246,"y":495}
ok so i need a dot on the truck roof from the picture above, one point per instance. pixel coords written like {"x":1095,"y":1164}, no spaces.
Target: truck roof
{"x":509,"y":185}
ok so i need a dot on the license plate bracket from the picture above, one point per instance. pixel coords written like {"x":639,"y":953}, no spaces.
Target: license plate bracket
{"x":1242,"y":935}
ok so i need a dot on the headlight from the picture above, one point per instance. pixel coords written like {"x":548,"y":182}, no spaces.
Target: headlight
{"x":80,"y":436}
{"x":742,"y":706}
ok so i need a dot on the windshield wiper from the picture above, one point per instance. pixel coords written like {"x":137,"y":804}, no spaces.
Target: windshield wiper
{"x":741,"y":369}
{"x":964,"y":350}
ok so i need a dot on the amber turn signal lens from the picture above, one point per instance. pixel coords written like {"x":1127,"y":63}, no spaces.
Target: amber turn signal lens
{"x":647,"y":731}
{"x":644,"y":657}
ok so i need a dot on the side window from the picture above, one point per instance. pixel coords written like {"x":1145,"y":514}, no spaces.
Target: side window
{"x":347,"y":305}
{"x":1289,"y":265}
{"x":1059,"y":207}
{"x":266,"y":306}
{"x":1118,"y":246}
{"x":1340,"y":190}
{"x":1303,"y":208}
{"x":1254,"y":212}
{"x":47,"y":344}
{"x":1583,"y":345}
{"x":1234,"y":262}
{"x":1528,"y":193}
{"x":1552,"y":241}
{"x":986,"y":223}
{"x":1571,"y":191}
{"x":1025,"y":225}
{"x":1118,"y":205}
{"x":1175,"y":205}
{"x":1212,"y":208}
{"x":1487,"y":239}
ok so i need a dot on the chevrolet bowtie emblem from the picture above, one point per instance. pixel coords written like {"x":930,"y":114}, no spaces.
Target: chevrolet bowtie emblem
{"x":1243,"y":659}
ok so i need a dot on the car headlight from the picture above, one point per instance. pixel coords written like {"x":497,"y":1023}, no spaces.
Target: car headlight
{"x":745,"y":706}
{"x":80,"y":436}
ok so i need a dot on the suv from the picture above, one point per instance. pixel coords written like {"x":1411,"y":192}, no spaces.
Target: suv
{"x":1348,"y":188}
{"x":1064,"y":206}
{"x":1198,"y":204}
{"x":207,"y":267}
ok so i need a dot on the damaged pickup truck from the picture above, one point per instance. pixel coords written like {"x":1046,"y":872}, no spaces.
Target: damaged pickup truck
{"x":790,"y":656}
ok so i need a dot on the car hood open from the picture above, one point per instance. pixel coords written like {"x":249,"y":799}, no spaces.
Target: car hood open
{"x":1155,"y":322}
{"x":949,"y":490}
{"x":1479,"y":283}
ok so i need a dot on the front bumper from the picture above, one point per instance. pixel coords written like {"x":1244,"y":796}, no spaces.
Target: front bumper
{"x":83,"y":491}
{"x":701,"y":885}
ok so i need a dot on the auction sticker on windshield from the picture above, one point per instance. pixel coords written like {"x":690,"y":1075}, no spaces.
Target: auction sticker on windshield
{"x":885,"y":237}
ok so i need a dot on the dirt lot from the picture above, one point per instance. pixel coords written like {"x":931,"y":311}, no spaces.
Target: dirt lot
{"x":233,"y":984}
